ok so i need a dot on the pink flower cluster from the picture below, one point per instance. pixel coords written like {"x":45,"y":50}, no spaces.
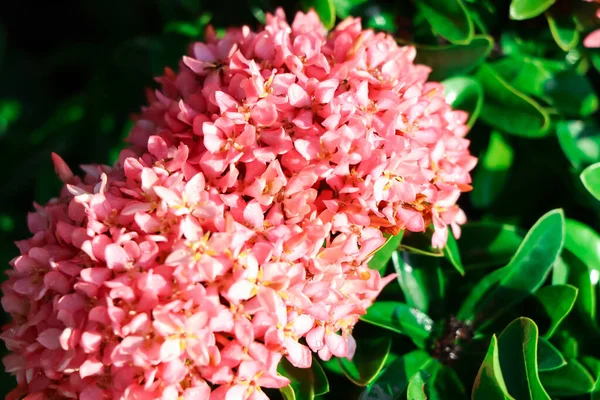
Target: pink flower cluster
{"x":237,"y":228}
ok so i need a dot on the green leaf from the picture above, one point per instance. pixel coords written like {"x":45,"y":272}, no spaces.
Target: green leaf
{"x":183,"y":28}
{"x":370,"y":357}
{"x":489,"y":383}
{"x":452,"y":254}
{"x":580,"y":276}
{"x":333,"y":366}
{"x":418,"y":382}
{"x":572,"y":94}
{"x":325,"y":9}
{"x":549,"y":358}
{"x":485,"y":244}
{"x":591,"y":179}
{"x":582,"y":255}
{"x":517,"y":346}
{"x":400,"y":318}
{"x":525,"y":9}
{"x":451,"y":60}
{"x":321,"y":382}
{"x":563,"y":28}
{"x":379,"y":19}
{"x":447,"y":385}
{"x":419,"y":278}
{"x":345,"y":8}
{"x":596,"y":390}
{"x":395,"y":377}
{"x":382,"y":256}
{"x":571,"y":380}
{"x":449,"y":18}
{"x":583,"y":242}
{"x":302,"y":381}
{"x":557,"y":301}
{"x":560,"y":272}
{"x":526,"y":271}
{"x":491,"y":176}
{"x":528,"y":74}
{"x":464,"y":93}
{"x":509,"y":110}
{"x":469,"y":306}
{"x":580,"y":141}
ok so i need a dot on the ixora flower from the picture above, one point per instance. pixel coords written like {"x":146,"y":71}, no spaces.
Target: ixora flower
{"x":237,"y":227}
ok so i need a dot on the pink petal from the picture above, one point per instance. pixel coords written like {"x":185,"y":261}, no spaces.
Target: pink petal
{"x":592,"y":40}
{"x":116,"y":257}
{"x":336,"y":344}
{"x":299,"y":355}
{"x":49,"y":338}
{"x":90,"y":367}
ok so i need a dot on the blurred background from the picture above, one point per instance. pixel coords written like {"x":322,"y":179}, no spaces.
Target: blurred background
{"x":72,"y":73}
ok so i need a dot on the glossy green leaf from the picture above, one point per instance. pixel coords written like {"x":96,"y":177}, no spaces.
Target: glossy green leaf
{"x":419,"y":278}
{"x":369,"y":359}
{"x":549,"y":358}
{"x":582,"y":254}
{"x":567,"y":344}
{"x":302,"y":381}
{"x":447,"y":385}
{"x":572,"y":94}
{"x":464,"y":93}
{"x":452,"y":253}
{"x":257,"y":8}
{"x":332,"y":366}
{"x":517,"y":346}
{"x":557,"y":301}
{"x":526,"y":271}
{"x":591,"y":179}
{"x":525,"y":9}
{"x":563,"y":28}
{"x":583,"y":242}
{"x":580,"y":141}
{"x":586,"y":282}
{"x":345,"y":8}
{"x":571,"y":380}
{"x":400,"y":318}
{"x":492,"y":175}
{"x":395,"y":377}
{"x":382,"y":256}
{"x":321,"y":382}
{"x":325,"y":9}
{"x":489,"y":383}
{"x":379,"y":18}
{"x":469,"y":306}
{"x":417,"y":385}
{"x":449,"y":18}
{"x":451,"y":60}
{"x":592,"y":364}
{"x":516,"y":45}
{"x":560,"y":272}
{"x":528,"y":74}
{"x":509,"y":110}
{"x":596,"y":389}
{"x":183,"y":28}
{"x":485,"y":244}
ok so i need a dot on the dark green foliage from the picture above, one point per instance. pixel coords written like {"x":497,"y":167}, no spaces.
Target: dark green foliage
{"x":499,"y":313}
